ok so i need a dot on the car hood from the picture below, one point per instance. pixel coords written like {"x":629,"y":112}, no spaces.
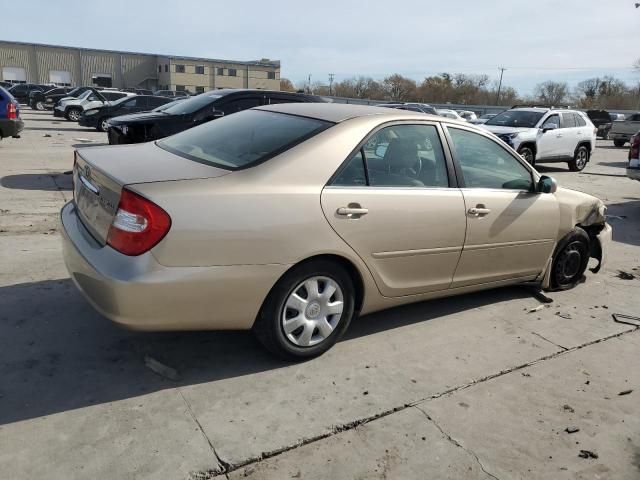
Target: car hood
{"x":587,"y":209}
{"x":497,"y":129}
{"x":140,"y":118}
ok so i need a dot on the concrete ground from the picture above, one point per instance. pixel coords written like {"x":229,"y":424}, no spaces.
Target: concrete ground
{"x":462,"y":388}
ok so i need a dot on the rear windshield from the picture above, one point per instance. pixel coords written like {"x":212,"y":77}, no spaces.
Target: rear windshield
{"x":516,"y":118}
{"x":243,"y":139}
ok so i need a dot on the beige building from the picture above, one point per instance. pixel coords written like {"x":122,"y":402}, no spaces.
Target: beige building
{"x":37,"y":63}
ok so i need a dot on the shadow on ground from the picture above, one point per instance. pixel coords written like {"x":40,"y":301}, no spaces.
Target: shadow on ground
{"x":624,"y":217}
{"x":59,"y":129}
{"x":49,"y":182}
{"x":58,"y":354}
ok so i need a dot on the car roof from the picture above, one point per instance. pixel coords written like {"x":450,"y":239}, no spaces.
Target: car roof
{"x":339,"y":112}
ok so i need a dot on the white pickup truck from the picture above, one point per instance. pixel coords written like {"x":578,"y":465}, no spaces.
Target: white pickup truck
{"x":622,"y":130}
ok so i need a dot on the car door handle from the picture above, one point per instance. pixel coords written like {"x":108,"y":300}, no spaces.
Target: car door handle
{"x":477,"y":211}
{"x":350,"y":211}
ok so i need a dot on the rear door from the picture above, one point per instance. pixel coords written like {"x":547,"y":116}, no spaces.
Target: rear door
{"x":393,"y":204}
{"x":511,"y":230}
{"x":570,"y":134}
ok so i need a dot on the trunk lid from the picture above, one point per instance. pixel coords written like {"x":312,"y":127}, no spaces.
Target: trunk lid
{"x":100,"y":173}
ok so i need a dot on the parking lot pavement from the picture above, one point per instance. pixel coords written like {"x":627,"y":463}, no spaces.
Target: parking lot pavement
{"x":466,"y":387}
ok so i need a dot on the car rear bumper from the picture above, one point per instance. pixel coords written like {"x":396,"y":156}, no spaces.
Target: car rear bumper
{"x":10,"y":128}
{"x":88,"y":121}
{"x":141,"y":294}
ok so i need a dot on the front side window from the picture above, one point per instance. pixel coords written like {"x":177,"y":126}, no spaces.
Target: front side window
{"x":554,"y":119}
{"x":398,"y":156}
{"x":244,"y":139}
{"x":486,"y":164}
{"x":240,"y":104}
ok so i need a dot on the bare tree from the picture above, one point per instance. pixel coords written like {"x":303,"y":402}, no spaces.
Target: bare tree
{"x":286,"y":85}
{"x":399,"y":88}
{"x":551,"y":93}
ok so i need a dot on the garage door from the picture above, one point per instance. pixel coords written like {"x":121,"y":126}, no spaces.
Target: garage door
{"x":61,"y":78}
{"x":14,"y":74}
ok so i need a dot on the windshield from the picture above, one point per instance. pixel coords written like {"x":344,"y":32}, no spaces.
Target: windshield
{"x":84,"y":95}
{"x":242,"y":139}
{"x":488,"y":115}
{"x":192,"y":104}
{"x":516,"y":118}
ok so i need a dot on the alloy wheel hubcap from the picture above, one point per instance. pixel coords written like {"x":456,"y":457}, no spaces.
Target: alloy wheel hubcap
{"x":581,"y":161}
{"x":312,"y":311}
{"x":73,"y":115}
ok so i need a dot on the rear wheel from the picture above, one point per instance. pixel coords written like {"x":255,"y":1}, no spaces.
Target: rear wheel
{"x":570,"y":260}
{"x":619,"y":142}
{"x":73,"y":114}
{"x":307,"y":311}
{"x":528,"y":155}
{"x":580,"y":159}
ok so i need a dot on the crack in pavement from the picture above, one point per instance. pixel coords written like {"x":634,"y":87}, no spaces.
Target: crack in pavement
{"x":547,"y":340}
{"x":223,"y":467}
{"x":230,"y":467}
{"x":456,"y":443}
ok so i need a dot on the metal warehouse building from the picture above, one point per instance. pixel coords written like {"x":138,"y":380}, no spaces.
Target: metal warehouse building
{"x":70,"y":66}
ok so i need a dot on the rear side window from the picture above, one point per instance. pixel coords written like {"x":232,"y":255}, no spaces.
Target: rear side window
{"x":244,"y":139}
{"x":579,"y":120}
{"x":568,"y":120}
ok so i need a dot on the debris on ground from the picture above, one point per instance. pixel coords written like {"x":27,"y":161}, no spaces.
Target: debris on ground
{"x":626,"y":319}
{"x":536,"y":309}
{"x":83,"y":140}
{"x":568,"y":408}
{"x":625,"y":392}
{"x":161,"y":369}
{"x":587,"y":454}
{"x":566,"y":316}
{"x":46,"y":135}
{"x":572,"y":429}
{"x":539,"y":295}
{"x":625,"y":275}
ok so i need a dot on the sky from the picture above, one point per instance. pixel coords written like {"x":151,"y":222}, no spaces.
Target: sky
{"x":562,"y":40}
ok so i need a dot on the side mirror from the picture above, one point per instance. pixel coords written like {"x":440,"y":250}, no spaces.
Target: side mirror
{"x":549,"y":126}
{"x":215,"y":113}
{"x":547,"y":185}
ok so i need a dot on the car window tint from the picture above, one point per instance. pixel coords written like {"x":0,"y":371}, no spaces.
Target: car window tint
{"x":486,"y":164}
{"x":579,"y":120}
{"x":568,"y":120}
{"x":406,"y":156}
{"x":353,"y":173}
{"x":240,"y":104}
{"x":243,"y":139}
{"x":277,"y":100}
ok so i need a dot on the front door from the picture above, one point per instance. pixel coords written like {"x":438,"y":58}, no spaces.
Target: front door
{"x":511,"y":230}
{"x":548,"y":144}
{"x":393,"y":205}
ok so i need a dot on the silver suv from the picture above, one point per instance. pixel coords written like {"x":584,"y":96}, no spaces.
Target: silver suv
{"x":543,"y":135}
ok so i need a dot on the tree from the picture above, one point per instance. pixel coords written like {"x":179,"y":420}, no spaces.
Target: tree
{"x":551,"y":93}
{"x":286,"y":85}
{"x":399,"y":88}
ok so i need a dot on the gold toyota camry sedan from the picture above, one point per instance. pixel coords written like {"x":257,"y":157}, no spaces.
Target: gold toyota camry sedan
{"x":291,"y":219}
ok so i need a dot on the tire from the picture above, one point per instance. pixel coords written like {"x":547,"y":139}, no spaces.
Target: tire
{"x":39,"y":106}
{"x":310,"y":332}
{"x":570,"y":260}
{"x":102,"y":124}
{"x":580,"y":159}
{"x":73,"y":114}
{"x":528,"y":155}
{"x":619,"y":142}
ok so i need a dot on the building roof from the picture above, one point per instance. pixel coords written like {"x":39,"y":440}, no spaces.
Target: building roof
{"x":262,"y":62}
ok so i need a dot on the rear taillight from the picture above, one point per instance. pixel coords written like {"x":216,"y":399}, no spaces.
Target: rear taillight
{"x":138,"y":226}
{"x":634,"y":151}
{"x":595,"y":130}
{"x":12,"y":111}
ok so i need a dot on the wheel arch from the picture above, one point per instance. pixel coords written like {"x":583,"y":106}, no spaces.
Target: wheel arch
{"x":529,"y":144}
{"x":350,"y":267}
{"x":584,"y":143}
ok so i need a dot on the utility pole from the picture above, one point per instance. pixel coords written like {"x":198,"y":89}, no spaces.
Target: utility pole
{"x":331,"y":75}
{"x":309,"y":85}
{"x":502,"y":69}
